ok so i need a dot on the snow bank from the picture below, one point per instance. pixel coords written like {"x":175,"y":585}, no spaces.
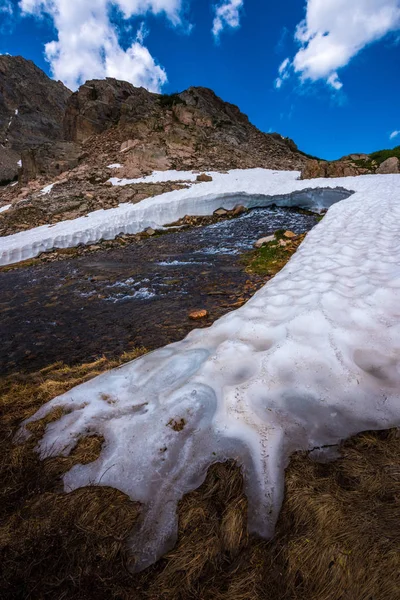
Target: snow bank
{"x":161,"y":177}
{"x":253,"y":187}
{"x":312,"y":358}
{"x":5,"y":207}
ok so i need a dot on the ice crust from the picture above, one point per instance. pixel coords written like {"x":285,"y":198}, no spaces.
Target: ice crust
{"x":311,"y":359}
{"x":251,"y":187}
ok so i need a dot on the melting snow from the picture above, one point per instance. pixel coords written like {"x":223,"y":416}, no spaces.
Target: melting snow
{"x":160,"y":177}
{"x":250,"y":187}
{"x":312,"y":358}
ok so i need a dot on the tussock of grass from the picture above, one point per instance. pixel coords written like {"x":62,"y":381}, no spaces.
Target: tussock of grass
{"x":338,"y":535}
{"x":271,"y":258}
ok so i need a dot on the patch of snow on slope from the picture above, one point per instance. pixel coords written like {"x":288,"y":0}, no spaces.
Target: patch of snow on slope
{"x":159,"y":177}
{"x":250,"y":187}
{"x":312,"y":358}
{"x":5,"y":207}
{"x":114,"y":166}
{"x":47,"y":189}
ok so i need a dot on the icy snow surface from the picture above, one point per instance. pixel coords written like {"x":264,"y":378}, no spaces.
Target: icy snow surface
{"x":5,"y":207}
{"x":312,"y":358}
{"x":251,"y":187}
{"x":161,"y":176}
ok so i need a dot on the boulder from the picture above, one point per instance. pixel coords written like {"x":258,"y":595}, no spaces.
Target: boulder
{"x":195,"y":315}
{"x":204,"y":177}
{"x":220,"y":212}
{"x":265,"y":240}
{"x":149,"y":231}
{"x":289,"y":234}
{"x":391,"y":165}
{"x":238,"y":210}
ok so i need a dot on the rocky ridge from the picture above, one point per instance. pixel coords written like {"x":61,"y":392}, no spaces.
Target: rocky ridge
{"x":32,"y":109}
{"x":112,"y":122}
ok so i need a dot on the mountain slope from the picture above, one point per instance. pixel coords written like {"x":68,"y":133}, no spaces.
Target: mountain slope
{"x":32,"y":108}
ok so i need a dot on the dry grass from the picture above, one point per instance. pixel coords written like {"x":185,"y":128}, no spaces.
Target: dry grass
{"x":338,"y":536}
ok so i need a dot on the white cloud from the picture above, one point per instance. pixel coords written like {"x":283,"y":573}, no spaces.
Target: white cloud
{"x":88,"y":46}
{"x":227,"y":14}
{"x":394,"y":134}
{"x":284,"y":73}
{"x":334,"y":31}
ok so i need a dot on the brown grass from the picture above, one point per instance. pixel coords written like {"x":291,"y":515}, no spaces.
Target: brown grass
{"x":338,"y":536}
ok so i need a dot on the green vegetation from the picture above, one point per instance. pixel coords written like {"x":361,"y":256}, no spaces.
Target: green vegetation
{"x":169,"y":100}
{"x":271,"y":258}
{"x":383,"y":155}
{"x":377,"y":158}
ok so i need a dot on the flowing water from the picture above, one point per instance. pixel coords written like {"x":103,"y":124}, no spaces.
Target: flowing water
{"x":140,"y":294}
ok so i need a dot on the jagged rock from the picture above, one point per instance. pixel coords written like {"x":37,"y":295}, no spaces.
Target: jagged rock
{"x":49,"y":159}
{"x":100,"y":104}
{"x":31,"y":109}
{"x":265,"y":240}
{"x":8,"y":165}
{"x":204,"y":177}
{"x":391,"y":165}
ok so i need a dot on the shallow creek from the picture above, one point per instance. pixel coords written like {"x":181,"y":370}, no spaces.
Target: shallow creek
{"x":138,"y":295}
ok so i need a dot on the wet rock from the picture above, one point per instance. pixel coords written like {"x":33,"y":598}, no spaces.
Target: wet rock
{"x":238,"y":210}
{"x":391,"y":165}
{"x":265,"y":240}
{"x":198,"y":314}
{"x":204,"y":177}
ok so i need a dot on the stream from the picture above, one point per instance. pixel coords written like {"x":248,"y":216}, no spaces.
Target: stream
{"x":107,"y":302}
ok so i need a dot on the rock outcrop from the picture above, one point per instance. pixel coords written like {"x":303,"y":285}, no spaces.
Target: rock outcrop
{"x":192,"y":130}
{"x":336,"y":168}
{"x":390,"y":165}
{"x":32,"y":108}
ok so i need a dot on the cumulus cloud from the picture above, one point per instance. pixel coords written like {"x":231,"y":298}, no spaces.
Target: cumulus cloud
{"x":88,"y":46}
{"x":227,"y":14}
{"x":334,"y":31}
{"x":394,"y":134}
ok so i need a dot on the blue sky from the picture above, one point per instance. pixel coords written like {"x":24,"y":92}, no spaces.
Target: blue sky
{"x":337,"y":90}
